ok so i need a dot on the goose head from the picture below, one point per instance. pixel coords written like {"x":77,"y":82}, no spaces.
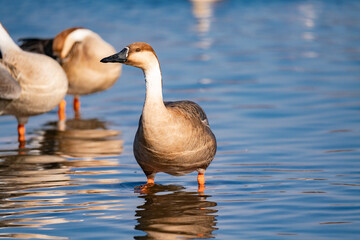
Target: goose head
{"x":64,"y":41}
{"x":138,"y":54}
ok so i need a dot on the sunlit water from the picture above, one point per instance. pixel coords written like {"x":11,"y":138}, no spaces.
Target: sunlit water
{"x":280,"y":82}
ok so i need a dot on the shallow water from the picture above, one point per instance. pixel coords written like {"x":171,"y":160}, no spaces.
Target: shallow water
{"x":280,"y":82}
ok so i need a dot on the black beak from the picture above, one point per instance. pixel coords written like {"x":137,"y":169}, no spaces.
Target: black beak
{"x":120,"y":57}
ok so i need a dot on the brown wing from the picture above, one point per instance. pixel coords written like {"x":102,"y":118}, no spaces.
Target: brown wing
{"x":190,"y":108}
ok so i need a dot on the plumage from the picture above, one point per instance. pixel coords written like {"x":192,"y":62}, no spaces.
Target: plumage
{"x":43,"y":46}
{"x":172,"y":137}
{"x":79,"y":51}
{"x":30,"y":83}
{"x":10,"y":89}
{"x":179,"y":145}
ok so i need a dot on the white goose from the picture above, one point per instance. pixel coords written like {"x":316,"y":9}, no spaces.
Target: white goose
{"x":79,"y":51}
{"x":30,"y":83}
{"x":172,"y":137}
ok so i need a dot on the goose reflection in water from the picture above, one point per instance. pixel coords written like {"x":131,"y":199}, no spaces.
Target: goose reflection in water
{"x":84,"y":138}
{"x":39,"y":185}
{"x":35,"y":188}
{"x":19,"y":172}
{"x":170,"y":212}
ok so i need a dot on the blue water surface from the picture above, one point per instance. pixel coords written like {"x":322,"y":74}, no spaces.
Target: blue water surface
{"x":280,"y":83}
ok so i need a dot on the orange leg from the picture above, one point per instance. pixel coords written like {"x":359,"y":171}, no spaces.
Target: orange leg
{"x":21,"y":134}
{"x":61,"y":111}
{"x":145,"y":187}
{"x":76,"y":104}
{"x":77,"y":107}
{"x":201,"y":182}
{"x":150,"y":181}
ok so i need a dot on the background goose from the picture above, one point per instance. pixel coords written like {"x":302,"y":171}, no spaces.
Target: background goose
{"x":79,"y":51}
{"x":30,"y":83}
{"x":172,"y":137}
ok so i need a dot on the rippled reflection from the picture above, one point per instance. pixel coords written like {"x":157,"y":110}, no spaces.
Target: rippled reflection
{"x":82,"y":138}
{"x":169,"y":212}
{"x":203,"y":12}
{"x":34,"y":187}
{"x":29,"y":236}
{"x":279,"y":82}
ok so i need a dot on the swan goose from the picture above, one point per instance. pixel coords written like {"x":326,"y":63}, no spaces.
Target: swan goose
{"x":79,"y":51}
{"x":30,"y":83}
{"x":172,"y":137}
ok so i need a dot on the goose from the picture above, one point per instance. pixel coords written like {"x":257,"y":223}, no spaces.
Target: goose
{"x":78,"y":50}
{"x":30,"y":83}
{"x":172,"y":137}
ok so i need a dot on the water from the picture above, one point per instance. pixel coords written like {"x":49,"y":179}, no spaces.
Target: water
{"x":280,"y":82}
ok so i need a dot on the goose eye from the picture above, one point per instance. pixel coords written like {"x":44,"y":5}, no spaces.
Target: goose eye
{"x":138,"y":50}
